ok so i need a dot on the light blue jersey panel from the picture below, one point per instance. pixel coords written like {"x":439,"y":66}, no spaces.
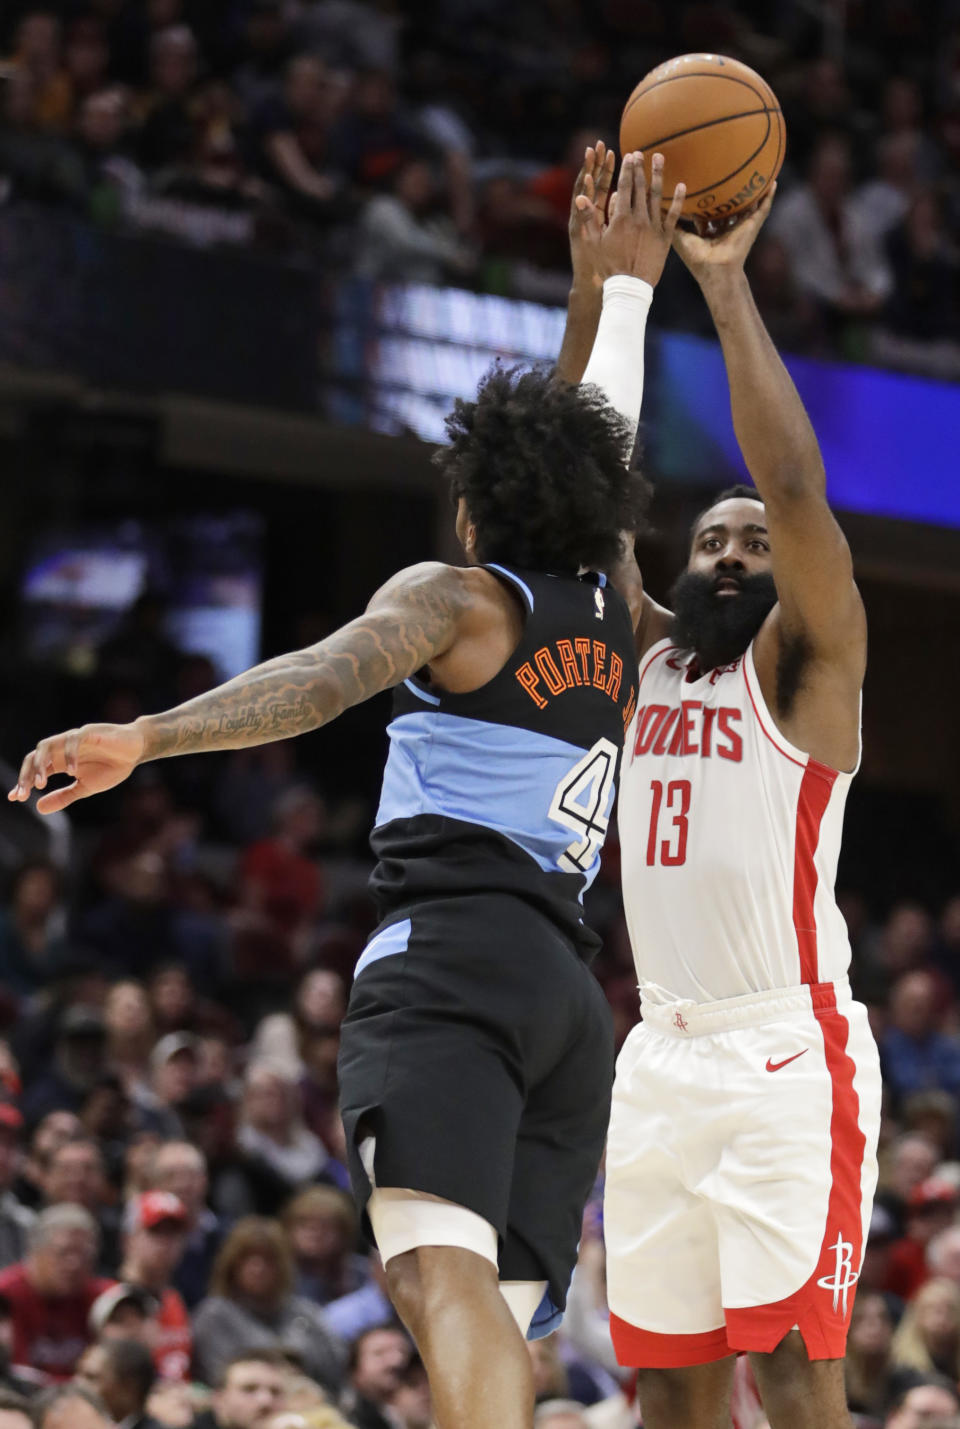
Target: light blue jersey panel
{"x":503,"y":778}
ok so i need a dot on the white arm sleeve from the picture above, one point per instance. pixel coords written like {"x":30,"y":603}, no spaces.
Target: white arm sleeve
{"x":616,"y":362}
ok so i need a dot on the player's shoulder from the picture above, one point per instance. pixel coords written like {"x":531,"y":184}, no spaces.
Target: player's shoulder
{"x":461,"y":592}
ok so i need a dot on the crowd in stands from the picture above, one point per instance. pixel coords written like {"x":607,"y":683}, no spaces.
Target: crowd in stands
{"x":177,"y":1238}
{"x":437,"y":141}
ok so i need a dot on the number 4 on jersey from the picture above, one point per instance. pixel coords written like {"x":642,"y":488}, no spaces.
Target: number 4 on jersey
{"x":581,"y":802}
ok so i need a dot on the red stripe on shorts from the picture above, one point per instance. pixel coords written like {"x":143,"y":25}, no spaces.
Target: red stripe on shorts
{"x":815,"y":789}
{"x":644,"y":1349}
{"x":821,"y":1308}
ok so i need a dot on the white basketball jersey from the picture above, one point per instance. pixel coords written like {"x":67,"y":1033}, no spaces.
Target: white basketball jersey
{"x":729,"y":836}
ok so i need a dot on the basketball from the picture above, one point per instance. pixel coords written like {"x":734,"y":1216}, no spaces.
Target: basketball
{"x":719,"y":127}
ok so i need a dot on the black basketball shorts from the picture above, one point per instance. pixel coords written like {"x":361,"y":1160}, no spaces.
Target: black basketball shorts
{"x":478,"y":1050}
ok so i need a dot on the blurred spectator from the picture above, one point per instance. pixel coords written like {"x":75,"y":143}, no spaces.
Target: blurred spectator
{"x":277,"y":876}
{"x":178,"y":1006}
{"x":319,"y":1004}
{"x":943,"y":1254}
{"x":292,"y":134}
{"x":934,"y":1115}
{"x":881,"y":1238}
{"x":39,"y":54}
{"x":410,"y":1406}
{"x":373,"y":138}
{"x":16,"y":1219}
{"x":321,"y":1227}
{"x":919,"y":321}
{"x":124,"y":1312}
{"x":916,"y":1056}
{"x":560,"y":1414}
{"x":549,"y":1375}
{"x":167,"y":133}
{"x":139,"y":654}
{"x":902,"y":116}
{"x":139,"y":926}
{"x":251,"y":1304}
{"x":12,"y":1381}
{"x":910,"y":1160}
{"x":175,"y":1066}
{"x":32,"y":928}
{"x":70,"y":1407}
{"x":86,"y":58}
{"x":52,"y":1289}
{"x":56,"y":1128}
{"x":180,"y":1168}
{"x":156,"y":1236}
{"x":366,"y":1309}
{"x":930,"y":1210}
{"x":378,"y":1361}
{"x":250,"y":1391}
{"x":791,"y":317}
{"x":127,"y":1378}
{"x":928,"y":1336}
{"x":266,"y":50}
{"x":280,"y":1153}
{"x":79,"y":1061}
{"x":833,"y":258}
{"x":252,"y":783}
{"x":131,"y":1036}
{"x":402,"y":240}
{"x":907,"y":939}
{"x":931,"y":1403}
{"x":884,"y":201}
{"x":111,"y":177}
{"x":15,"y":1411}
{"x":75,"y":1176}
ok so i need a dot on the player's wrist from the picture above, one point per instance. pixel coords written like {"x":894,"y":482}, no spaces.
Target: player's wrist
{"x":627,"y":287}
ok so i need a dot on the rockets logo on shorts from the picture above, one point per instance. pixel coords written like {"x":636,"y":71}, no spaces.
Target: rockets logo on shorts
{"x":843,"y":1277}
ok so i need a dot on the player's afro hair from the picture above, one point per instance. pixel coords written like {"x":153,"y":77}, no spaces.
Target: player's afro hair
{"x":544,"y":470}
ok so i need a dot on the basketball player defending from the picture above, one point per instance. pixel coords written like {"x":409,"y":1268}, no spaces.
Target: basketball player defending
{"x":476,"y":1057}
{"x":741,"y":1159}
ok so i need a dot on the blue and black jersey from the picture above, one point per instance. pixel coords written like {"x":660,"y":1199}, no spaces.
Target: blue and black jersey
{"x":509,"y":789}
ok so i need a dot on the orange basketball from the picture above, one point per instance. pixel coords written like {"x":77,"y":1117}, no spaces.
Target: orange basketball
{"x":718,"y":126}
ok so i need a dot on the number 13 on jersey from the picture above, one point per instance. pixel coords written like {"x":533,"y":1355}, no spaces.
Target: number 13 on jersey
{"x":673,"y":800}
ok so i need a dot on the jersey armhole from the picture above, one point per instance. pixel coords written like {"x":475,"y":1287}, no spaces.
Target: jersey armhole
{"x":776,"y":736}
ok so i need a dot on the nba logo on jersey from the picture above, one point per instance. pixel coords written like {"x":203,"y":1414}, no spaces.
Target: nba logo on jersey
{"x":598,"y":602}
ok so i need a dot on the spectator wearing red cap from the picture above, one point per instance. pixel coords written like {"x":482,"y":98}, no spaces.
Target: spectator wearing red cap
{"x":157,"y":1225}
{"x":52,"y":1290}
{"x":930,"y":1210}
{"x":15,"y":1218}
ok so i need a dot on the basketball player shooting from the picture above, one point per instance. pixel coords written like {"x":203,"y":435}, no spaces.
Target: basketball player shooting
{"x":476,"y":1055}
{"x":741,"y":1160}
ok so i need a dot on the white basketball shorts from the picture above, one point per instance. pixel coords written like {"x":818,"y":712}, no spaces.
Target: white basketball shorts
{"x":741,"y":1168}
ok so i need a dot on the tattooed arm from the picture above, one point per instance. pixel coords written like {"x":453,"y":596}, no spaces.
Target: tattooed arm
{"x":412,"y":620}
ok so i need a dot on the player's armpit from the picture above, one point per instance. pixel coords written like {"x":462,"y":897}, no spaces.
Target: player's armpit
{"x":819,"y":604}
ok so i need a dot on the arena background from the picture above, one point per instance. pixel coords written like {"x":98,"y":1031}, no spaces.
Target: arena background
{"x":250,"y":250}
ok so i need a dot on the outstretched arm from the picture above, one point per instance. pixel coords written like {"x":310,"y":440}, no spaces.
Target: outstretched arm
{"x":628,"y":255}
{"x":586,"y":292}
{"x":411,"y":620}
{"x":812,"y":567}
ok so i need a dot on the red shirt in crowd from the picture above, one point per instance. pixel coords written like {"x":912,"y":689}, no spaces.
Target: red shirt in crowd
{"x":173,"y":1341}
{"x":49,"y":1334}
{"x":290,"y":885}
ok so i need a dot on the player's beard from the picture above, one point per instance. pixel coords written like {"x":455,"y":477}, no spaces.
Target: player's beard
{"x":719,"y":627}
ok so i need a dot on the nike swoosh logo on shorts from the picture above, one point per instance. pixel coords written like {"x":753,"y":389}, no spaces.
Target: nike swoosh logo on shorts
{"x":775,"y":1066}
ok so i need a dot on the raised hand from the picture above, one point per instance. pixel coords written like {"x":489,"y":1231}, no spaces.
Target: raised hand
{"x":638,"y":234}
{"x":98,"y":756}
{"x":586,"y":224}
{"x":707,"y":254}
